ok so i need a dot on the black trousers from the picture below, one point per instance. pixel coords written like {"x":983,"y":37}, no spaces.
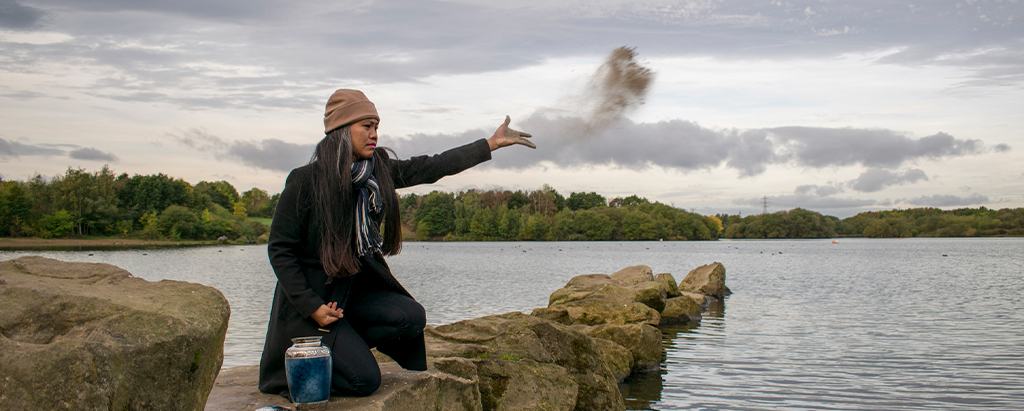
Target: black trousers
{"x":375,"y":318}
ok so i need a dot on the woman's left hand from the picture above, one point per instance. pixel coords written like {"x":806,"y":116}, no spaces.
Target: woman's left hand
{"x":505,"y":136}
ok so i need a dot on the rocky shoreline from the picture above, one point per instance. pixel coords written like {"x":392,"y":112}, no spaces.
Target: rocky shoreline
{"x":89,"y":336}
{"x":570,"y":355}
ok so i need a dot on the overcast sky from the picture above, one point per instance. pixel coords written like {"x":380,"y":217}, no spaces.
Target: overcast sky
{"x":833,"y":106}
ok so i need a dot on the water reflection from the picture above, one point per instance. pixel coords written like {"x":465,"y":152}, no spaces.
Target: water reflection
{"x":642,"y":391}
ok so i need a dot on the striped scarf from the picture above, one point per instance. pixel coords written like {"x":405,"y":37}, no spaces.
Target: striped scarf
{"x":368,"y":207}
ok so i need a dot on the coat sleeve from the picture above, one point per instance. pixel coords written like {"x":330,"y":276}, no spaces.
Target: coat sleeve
{"x":428,"y":169}
{"x":285,"y":247}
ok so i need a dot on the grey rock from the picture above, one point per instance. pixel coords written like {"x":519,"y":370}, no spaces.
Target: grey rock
{"x":707,"y":279}
{"x":87,"y":336}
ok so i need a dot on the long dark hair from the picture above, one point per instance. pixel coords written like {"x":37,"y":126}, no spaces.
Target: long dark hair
{"x":334,"y":202}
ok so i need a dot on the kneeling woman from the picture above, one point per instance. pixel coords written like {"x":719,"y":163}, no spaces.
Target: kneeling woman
{"x":328,"y":253}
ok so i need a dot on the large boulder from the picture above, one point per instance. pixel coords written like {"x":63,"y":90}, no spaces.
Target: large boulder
{"x":618,"y":359}
{"x":632,"y":275}
{"x":86,"y":336}
{"x":508,"y":385}
{"x":516,"y":337}
{"x":707,"y":279}
{"x":670,"y":283}
{"x":681,"y":310}
{"x":581,"y":291}
{"x":650,"y":293}
{"x":594,"y":311}
{"x":641,"y":341}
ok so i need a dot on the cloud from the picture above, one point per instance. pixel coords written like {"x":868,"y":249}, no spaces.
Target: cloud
{"x":269,"y":154}
{"x":875,"y":179}
{"x":18,"y":16}
{"x":90,"y":153}
{"x":823,"y":147}
{"x":947,"y":200}
{"x":685,"y":145}
{"x":10,"y":149}
{"x":201,"y":54}
{"x":1001,"y":148}
{"x":819,"y":191}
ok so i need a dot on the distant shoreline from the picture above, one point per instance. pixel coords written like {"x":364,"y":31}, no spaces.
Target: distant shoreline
{"x":29,"y":243}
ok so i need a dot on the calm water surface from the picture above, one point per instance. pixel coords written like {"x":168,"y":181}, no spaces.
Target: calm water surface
{"x":863,"y":324}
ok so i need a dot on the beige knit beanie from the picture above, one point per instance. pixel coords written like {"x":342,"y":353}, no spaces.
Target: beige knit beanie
{"x":346,"y":107}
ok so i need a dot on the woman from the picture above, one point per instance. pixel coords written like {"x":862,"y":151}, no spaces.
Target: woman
{"x":327,"y":250}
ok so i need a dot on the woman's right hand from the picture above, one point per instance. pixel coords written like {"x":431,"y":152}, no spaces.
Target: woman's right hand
{"x":327,"y":314}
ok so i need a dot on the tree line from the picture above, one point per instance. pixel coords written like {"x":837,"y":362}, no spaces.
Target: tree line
{"x":912,"y":222}
{"x":546,"y":215}
{"x":80,"y":203}
{"x":100,"y":203}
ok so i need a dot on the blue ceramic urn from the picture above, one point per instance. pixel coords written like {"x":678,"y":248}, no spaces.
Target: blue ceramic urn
{"x":307,"y":364}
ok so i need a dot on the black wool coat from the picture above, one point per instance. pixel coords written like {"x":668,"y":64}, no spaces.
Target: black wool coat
{"x":302,"y":284}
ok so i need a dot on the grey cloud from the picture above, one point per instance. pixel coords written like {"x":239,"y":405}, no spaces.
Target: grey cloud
{"x":9,"y":148}
{"x":199,"y":139}
{"x":820,"y":147}
{"x":819,"y":191}
{"x":1001,"y":148}
{"x":947,"y":200}
{"x":685,"y":145}
{"x":152,"y":43}
{"x":90,"y":153}
{"x":23,"y":95}
{"x":18,"y":16}
{"x":269,"y":154}
{"x":875,"y":179}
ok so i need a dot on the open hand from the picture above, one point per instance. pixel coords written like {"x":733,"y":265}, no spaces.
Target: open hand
{"x":505,"y":136}
{"x":327,"y":314}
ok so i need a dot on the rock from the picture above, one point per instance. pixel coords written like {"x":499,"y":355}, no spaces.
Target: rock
{"x":89,"y":336}
{"x":707,"y":279}
{"x":400,"y":389}
{"x":515,"y":384}
{"x":632,"y":275}
{"x":671,"y":285}
{"x":594,"y":311}
{"x":680,"y":310}
{"x":651,"y":294}
{"x":701,"y":299}
{"x":515,"y":336}
{"x":610,"y":292}
{"x":642,"y":341}
{"x":507,"y":385}
{"x":617,"y":357}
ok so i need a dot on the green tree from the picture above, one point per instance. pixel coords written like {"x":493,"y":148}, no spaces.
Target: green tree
{"x":438,"y":211}
{"x":594,"y":226}
{"x":585,"y":201}
{"x":58,"y":224}
{"x":255,"y":201}
{"x":484,"y":226}
{"x":638,"y":225}
{"x":179,"y":222}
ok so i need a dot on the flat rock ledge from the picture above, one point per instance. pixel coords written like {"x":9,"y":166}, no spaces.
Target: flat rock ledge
{"x":235,"y":390}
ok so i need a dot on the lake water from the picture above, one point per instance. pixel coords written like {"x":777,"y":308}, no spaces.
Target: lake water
{"x":862,"y":324}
